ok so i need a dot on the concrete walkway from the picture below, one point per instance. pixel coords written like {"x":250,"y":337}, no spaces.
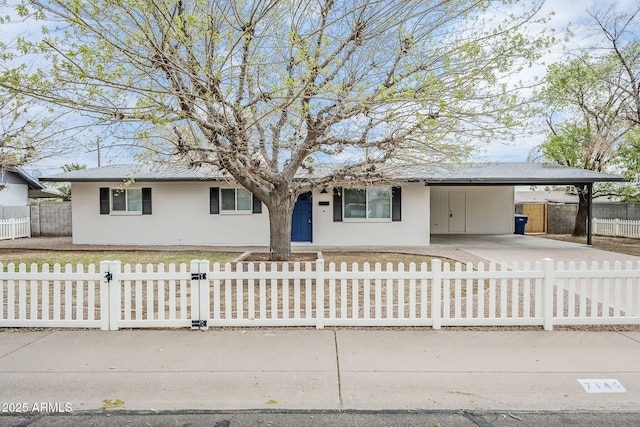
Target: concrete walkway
{"x":321,"y":369}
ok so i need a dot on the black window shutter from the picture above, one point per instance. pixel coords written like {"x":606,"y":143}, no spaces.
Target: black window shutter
{"x":146,"y":201}
{"x":337,"y":204}
{"x":104,"y":201}
{"x":396,"y":204}
{"x":257,"y":205}
{"x":214,"y":200}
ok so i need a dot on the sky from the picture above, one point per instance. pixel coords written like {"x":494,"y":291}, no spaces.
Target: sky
{"x":566,"y":12}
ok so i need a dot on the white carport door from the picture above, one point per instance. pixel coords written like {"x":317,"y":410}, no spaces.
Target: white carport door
{"x":457,"y":212}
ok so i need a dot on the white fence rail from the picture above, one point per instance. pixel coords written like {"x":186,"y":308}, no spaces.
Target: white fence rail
{"x":616,"y":227}
{"x":308,"y":294}
{"x":13,"y":228}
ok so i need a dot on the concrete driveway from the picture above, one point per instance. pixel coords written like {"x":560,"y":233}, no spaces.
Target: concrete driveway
{"x":519,"y":248}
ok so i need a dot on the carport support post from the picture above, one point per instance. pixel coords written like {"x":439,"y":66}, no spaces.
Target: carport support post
{"x":589,"y":212}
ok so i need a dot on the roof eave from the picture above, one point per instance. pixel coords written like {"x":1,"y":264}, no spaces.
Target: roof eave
{"x":55,"y":179}
{"x":481,"y":182}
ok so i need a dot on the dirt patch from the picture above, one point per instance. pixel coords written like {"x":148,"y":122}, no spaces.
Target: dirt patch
{"x":264,"y":257}
{"x":621,"y":245}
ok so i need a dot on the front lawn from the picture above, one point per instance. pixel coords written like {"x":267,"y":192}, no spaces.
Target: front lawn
{"x":31,"y":256}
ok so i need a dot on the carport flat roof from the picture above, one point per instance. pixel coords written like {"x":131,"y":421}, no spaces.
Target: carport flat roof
{"x":516,"y":174}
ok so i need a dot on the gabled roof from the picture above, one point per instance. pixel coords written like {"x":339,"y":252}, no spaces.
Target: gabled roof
{"x":32,"y":182}
{"x":139,"y":172}
{"x":436,"y":174}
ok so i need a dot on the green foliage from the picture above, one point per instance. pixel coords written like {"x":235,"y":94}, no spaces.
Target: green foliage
{"x":567,"y":146}
{"x":584,"y":112}
{"x":112,"y":404}
{"x":630,"y":159}
{"x":65,"y":190}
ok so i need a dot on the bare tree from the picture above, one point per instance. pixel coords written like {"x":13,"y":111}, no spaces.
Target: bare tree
{"x":266,"y":90}
{"x":30,"y":129}
{"x":621,"y":30}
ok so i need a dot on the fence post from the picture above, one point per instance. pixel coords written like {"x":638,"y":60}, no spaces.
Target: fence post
{"x":436,"y":293}
{"x":12,"y":228}
{"x":110,"y":305}
{"x":320,"y":306}
{"x":115,"y":303}
{"x":205,"y":300}
{"x":547,"y":290}
{"x":200,"y":301}
{"x":616,"y":227}
{"x":104,"y":295}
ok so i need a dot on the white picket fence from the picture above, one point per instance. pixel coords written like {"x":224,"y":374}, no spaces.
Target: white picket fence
{"x":13,"y":228}
{"x":616,"y":227}
{"x":201,"y":295}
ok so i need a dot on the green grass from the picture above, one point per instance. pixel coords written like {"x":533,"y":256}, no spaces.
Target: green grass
{"x":94,"y":257}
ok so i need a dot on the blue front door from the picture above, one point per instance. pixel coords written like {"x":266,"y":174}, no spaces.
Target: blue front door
{"x":301,"y":220}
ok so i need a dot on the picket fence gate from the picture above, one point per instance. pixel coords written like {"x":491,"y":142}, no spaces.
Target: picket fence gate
{"x":200,"y":295}
{"x":13,"y":228}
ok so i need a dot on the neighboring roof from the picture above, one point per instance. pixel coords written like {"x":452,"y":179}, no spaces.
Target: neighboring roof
{"x":32,"y":182}
{"x":559,"y":197}
{"x":437,"y":174}
{"x":45,"y":193}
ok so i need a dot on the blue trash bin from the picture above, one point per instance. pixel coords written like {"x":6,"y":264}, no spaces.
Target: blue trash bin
{"x":521,"y":222}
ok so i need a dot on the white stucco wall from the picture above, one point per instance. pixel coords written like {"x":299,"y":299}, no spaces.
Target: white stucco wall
{"x":413,"y":229}
{"x":14,"y":195}
{"x":180,"y":216}
{"x":489,"y":210}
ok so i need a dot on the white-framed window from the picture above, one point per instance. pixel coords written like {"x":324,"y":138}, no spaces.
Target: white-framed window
{"x":235,"y":200}
{"x":371,"y":203}
{"x":126,"y":200}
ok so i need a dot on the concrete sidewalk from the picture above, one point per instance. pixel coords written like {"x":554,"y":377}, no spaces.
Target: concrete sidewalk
{"x":320,"y":369}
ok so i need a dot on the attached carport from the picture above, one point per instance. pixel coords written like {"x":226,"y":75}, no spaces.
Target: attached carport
{"x":519,"y":174}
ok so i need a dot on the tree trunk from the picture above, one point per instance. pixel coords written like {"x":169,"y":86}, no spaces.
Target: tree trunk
{"x":280,"y":213}
{"x":580,"y":228}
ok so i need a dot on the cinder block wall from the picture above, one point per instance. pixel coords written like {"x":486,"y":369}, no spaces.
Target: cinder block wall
{"x":625,"y":211}
{"x":561,"y":219}
{"x":35,"y":220}
{"x":51,"y":219}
